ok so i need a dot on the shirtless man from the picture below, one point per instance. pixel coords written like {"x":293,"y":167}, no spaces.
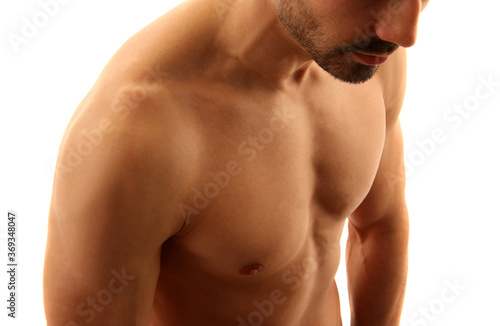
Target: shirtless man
{"x":207,"y":176}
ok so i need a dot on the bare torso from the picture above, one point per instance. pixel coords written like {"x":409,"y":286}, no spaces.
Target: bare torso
{"x":264,"y":180}
{"x":267,"y":202}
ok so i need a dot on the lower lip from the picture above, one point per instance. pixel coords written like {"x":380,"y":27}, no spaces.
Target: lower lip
{"x":370,"y":60}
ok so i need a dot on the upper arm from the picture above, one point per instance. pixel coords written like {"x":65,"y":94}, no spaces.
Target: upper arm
{"x":105,"y":233}
{"x":385,"y":204}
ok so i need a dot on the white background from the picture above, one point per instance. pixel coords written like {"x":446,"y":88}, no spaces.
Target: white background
{"x":452,"y":193}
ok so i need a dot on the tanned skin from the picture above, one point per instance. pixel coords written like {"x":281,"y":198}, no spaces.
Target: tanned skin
{"x":207,"y":176}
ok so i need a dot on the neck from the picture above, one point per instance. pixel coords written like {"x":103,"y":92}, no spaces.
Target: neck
{"x":251,"y":34}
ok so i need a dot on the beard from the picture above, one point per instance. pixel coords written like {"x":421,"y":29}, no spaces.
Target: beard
{"x":302,"y":27}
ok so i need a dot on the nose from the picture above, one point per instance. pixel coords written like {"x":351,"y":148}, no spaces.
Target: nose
{"x":398,"y":22}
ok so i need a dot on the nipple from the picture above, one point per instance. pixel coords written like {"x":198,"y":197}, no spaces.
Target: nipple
{"x":251,"y":269}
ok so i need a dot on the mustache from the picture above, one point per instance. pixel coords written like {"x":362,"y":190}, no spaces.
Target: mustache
{"x":374,"y":46}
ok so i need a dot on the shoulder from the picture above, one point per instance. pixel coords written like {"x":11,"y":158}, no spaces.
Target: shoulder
{"x":127,"y":146}
{"x":393,"y":79}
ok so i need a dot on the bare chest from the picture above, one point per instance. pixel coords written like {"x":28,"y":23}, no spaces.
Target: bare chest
{"x":277,"y":183}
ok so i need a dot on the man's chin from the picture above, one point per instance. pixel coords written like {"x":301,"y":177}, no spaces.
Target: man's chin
{"x":357,"y":74}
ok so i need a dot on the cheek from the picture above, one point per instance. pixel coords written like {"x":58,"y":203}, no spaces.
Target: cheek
{"x":342,"y":20}
{"x":338,"y":8}
{"x":327,"y":9}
